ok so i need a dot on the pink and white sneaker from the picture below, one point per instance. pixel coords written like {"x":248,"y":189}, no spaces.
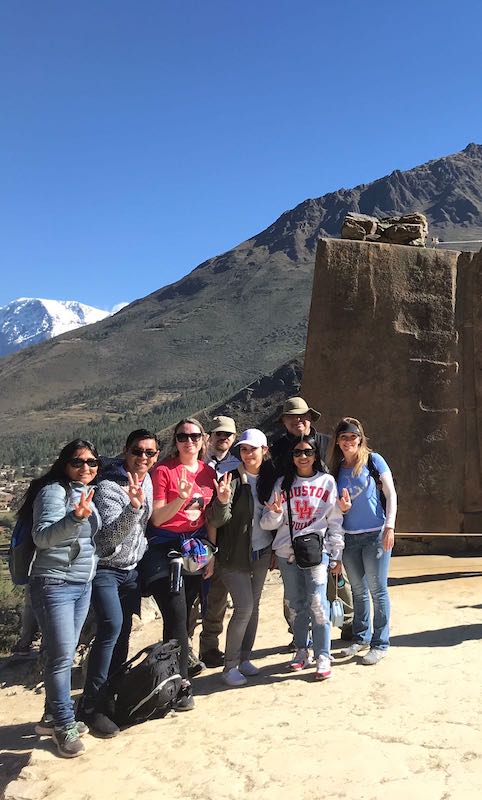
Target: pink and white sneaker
{"x":323,"y":668}
{"x":301,"y":660}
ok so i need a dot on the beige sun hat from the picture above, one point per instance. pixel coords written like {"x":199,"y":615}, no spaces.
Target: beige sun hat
{"x":298,"y":406}
{"x":223,"y":424}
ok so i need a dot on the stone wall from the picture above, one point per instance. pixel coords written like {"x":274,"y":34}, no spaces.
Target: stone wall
{"x":395,"y":339}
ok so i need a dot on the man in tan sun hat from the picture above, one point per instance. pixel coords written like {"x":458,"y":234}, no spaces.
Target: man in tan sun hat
{"x":298,"y":419}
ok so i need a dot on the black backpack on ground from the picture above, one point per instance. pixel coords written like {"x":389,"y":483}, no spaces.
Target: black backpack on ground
{"x":145,"y":687}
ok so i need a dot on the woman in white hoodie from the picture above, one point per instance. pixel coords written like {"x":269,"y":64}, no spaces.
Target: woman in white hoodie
{"x":312,"y":497}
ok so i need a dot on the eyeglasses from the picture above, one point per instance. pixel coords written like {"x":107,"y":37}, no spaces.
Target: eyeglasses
{"x":307,"y":451}
{"x":77,"y":463}
{"x":139,"y":451}
{"x":183,"y":437}
{"x":223,"y":434}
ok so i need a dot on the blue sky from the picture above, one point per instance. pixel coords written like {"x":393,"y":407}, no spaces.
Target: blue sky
{"x":139,"y":138}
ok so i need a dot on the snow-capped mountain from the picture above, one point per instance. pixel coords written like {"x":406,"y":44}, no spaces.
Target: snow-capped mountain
{"x":30,"y":320}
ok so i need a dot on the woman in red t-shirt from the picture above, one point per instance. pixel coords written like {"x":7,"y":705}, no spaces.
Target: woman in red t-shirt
{"x":185,"y":495}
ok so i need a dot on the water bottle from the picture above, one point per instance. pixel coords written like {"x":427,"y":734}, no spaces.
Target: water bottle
{"x":175,"y":572}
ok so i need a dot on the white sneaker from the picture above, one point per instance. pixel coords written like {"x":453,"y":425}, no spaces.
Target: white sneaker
{"x":248,"y":669}
{"x":301,"y":660}
{"x":353,"y":649}
{"x":323,"y":668}
{"x":233,"y":677}
{"x":374,"y":656}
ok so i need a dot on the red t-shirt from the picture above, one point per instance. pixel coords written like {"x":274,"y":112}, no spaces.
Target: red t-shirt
{"x":164,"y":483}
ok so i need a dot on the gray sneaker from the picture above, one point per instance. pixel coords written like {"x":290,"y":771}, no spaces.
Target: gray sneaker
{"x":68,"y":741}
{"x":194,"y":664}
{"x":46,"y":726}
{"x":374,"y":656}
{"x":353,"y":648}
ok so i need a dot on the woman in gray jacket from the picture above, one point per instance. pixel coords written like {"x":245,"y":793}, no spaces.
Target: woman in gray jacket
{"x":64,"y":524}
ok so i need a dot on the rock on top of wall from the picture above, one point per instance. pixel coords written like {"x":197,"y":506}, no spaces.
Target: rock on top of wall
{"x":409,"y":229}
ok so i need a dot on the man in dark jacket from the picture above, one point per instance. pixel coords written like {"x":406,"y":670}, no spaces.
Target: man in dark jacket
{"x":298,"y":418}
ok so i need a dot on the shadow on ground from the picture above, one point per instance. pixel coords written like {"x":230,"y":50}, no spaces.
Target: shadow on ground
{"x":440,"y":576}
{"x":16,"y":745}
{"x":442,"y":637}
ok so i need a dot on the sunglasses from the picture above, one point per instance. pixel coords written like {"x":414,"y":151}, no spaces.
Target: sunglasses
{"x":224,"y":434}
{"x":139,"y":451}
{"x":307,"y":451}
{"x":183,"y":437}
{"x":77,"y":463}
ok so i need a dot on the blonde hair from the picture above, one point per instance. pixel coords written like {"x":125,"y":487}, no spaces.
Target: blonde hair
{"x":191,"y":421}
{"x":335,"y":455}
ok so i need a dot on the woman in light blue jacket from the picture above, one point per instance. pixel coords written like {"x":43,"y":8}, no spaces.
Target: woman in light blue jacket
{"x":64,"y":524}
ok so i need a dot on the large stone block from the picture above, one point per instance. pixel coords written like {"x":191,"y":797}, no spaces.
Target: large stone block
{"x":395,"y":339}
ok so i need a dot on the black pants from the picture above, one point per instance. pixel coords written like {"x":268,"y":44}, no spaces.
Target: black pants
{"x":175,"y":610}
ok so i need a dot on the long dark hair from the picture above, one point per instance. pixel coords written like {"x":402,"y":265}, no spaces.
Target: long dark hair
{"x":266,"y":479}
{"x":289,"y":470}
{"x":56,"y":474}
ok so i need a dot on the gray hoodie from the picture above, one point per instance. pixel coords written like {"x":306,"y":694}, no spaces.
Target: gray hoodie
{"x":123,"y":540}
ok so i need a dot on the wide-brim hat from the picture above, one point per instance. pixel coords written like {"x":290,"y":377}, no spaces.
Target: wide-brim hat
{"x":252,"y":437}
{"x":298,"y":406}
{"x":223,"y":424}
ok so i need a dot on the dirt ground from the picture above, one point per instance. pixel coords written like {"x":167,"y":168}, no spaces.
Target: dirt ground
{"x":409,"y":727}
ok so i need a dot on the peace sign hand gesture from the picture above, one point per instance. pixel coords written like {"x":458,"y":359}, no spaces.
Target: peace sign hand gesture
{"x":183,"y":486}
{"x":344,"y":502}
{"x":223,"y":488}
{"x":276,"y":505}
{"x":136,"y":495}
{"x":82,"y":509}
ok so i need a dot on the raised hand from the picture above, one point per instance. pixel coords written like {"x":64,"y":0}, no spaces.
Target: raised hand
{"x":223,"y":488}
{"x":184,"y":487}
{"x":83,"y":509}
{"x":344,"y":502}
{"x":136,"y":495}
{"x":276,"y":505}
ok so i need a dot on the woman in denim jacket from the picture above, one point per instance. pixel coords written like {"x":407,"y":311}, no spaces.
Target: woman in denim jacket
{"x":64,"y":524}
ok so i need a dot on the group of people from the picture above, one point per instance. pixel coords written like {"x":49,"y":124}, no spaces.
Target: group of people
{"x":228,"y":508}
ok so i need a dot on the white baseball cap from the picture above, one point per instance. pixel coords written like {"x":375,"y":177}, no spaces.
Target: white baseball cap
{"x":252,"y":437}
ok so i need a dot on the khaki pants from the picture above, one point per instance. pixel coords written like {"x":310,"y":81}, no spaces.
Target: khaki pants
{"x":214,"y":614}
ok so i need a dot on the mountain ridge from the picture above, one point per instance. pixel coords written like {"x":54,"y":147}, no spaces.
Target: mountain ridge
{"x":29,"y":320}
{"x":238,"y":315}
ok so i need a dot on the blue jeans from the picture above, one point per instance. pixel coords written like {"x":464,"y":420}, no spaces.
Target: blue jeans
{"x":61,"y":608}
{"x":305,"y":594}
{"x":366,"y":563}
{"x":115,"y":598}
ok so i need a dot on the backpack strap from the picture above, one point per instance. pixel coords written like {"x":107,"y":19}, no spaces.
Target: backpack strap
{"x":290,"y":515}
{"x":374,"y":473}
